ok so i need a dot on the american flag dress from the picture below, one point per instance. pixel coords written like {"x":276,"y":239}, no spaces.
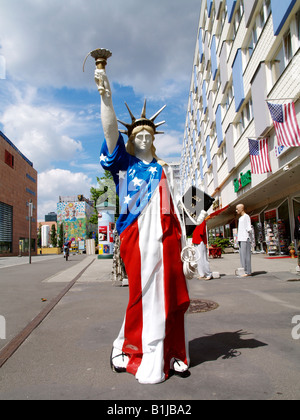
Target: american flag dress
{"x":153,"y":331}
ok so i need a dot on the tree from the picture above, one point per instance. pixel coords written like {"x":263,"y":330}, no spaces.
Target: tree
{"x":61,"y":235}
{"x":53,"y":236}
{"x":39,"y":236}
{"x":106,"y":186}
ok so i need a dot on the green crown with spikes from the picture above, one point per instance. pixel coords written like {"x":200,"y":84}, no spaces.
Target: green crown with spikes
{"x":136,"y":122}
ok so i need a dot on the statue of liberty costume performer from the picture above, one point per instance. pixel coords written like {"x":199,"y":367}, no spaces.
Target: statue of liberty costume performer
{"x":152,"y":341}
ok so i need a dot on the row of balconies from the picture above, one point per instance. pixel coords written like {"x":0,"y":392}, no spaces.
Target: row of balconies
{"x":265,"y":48}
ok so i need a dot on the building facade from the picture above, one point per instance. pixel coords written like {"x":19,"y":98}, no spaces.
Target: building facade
{"x":18,"y":187}
{"x":73,"y":214}
{"x":246,"y":54}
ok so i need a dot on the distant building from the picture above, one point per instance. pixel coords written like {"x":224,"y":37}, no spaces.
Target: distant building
{"x":51,"y":217}
{"x":18,"y":185}
{"x":176,"y":177}
{"x":40,"y":225}
{"x":74,"y":212}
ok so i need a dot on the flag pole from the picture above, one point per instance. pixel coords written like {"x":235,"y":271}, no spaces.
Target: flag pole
{"x":283,"y":99}
{"x":258,"y":138}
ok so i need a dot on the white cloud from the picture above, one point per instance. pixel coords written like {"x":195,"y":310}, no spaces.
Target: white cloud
{"x":152,"y":43}
{"x":60,"y":182}
{"x":40,"y":131}
{"x":168,"y":146}
{"x":44,"y":43}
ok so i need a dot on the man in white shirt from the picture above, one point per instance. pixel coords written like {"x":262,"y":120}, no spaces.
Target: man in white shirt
{"x":244,"y":232}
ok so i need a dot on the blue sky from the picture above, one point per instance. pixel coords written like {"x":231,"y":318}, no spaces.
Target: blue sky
{"x":50,"y":108}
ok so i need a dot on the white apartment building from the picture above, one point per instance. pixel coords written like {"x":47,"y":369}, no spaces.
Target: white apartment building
{"x":247,"y":53}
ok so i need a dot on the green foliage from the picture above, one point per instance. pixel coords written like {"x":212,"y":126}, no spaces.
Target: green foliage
{"x":53,"y":236}
{"x":221,"y":242}
{"x":39,"y":236}
{"x":61,"y":236}
{"x":106,"y":186}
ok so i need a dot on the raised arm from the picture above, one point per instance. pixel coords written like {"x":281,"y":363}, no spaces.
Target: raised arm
{"x":108,"y":115}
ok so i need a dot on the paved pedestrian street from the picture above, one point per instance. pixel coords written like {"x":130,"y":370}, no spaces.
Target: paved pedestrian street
{"x":244,"y":338}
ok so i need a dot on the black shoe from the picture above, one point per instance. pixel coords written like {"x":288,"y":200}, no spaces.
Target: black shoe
{"x":182,"y":374}
{"x":114,"y":368}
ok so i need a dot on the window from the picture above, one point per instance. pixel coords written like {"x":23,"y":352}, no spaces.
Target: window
{"x":262,"y":18}
{"x":250,"y":48}
{"x":267,"y":8}
{"x":221,"y":155}
{"x":228,"y":98}
{"x":240,"y":126}
{"x":6,"y":225}
{"x":24,"y":244}
{"x":210,"y":176}
{"x":254,"y":35}
{"x":9,"y":159}
{"x":31,"y":178}
{"x":287,"y":45}
{"x":298,"y":25}
{"x":237,"y":21}
{"x":30,"y":191}
{"x":245,"y":118}
{"x":283,"y":56}
{"x":237,"y":80}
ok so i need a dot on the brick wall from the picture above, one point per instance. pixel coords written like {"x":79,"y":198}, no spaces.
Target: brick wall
{"x":18,"y":184}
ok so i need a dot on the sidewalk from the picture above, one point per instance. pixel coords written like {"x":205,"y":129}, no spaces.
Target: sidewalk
{"x":244,"y":349}
{"x":261,"y":264}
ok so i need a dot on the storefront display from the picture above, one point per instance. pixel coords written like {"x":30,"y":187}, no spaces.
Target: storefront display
{"x":276,"y":225}
{"x":257,"y":233}
{"x":271,"y":235}
{"x":282,"y":238}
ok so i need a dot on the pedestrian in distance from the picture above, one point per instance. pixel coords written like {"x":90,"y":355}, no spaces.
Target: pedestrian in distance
{"x":244,"y":239}
{"x":66,"y":250}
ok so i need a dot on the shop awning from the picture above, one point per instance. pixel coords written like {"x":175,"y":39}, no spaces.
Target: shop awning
{"x":217,"y":212}
{"x":258,"y":211}
{"x":221,"y":217}
{"x":275,"y":204}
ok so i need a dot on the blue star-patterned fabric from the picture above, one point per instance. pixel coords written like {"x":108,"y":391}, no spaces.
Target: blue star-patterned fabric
{"x":135,"y":181}
{"x":253,"y":147}
{"x":276,"y":111}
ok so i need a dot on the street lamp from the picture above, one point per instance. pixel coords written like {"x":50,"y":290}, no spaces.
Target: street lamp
{"x":30,"y":207}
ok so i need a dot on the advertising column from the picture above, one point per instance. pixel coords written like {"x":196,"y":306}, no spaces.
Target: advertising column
{"x":105,"y":234}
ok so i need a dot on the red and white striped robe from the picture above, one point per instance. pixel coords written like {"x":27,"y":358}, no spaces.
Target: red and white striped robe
{"x":153,"y":331}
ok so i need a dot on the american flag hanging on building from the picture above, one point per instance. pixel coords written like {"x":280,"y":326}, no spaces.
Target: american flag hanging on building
{"x":259,"y":156}
{"x":285,"y":123}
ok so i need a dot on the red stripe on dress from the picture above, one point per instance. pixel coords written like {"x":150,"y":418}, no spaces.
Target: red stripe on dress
{"x":130,"y":253}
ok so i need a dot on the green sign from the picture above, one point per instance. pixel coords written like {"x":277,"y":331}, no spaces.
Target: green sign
{"x":241,"y":182}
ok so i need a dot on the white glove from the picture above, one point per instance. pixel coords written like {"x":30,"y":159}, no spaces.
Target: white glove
{"x":203,"y":214}
{"x":102,"y":83}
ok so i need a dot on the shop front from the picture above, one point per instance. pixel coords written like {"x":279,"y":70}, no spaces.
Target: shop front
{"x":257,"y":223}
{"x":273,"y":225}
{"x":277,"y":228}
{"x":273,"y":206}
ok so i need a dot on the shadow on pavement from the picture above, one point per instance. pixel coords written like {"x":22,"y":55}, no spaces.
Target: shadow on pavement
{"x":225,"y":345}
